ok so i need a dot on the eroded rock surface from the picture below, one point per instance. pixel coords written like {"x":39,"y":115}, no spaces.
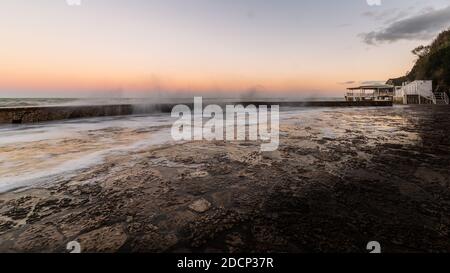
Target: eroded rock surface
{"x":341,"y":178}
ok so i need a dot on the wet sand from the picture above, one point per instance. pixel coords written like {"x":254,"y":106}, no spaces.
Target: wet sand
{"x":341,"y":178}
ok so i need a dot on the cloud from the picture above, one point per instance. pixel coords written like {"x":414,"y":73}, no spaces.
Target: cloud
{"x":420,"y":27}
{"x":361,"y":82}
{"x":390,"y":15}
{"x":372,"y":82}
{"x":346,"y":83}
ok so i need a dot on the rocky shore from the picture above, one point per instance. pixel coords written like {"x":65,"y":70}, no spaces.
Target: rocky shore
{"x":341,"y":178}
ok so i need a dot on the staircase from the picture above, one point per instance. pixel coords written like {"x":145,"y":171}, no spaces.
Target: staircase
{"x":440,"y":98}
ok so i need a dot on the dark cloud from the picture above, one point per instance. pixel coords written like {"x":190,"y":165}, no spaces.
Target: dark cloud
{"x":390,"y":15}
{"x":420,"y":27}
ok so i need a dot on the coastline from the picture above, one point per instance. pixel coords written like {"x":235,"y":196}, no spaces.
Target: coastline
{"x":341,"y":178}
{"x":35,"y":114}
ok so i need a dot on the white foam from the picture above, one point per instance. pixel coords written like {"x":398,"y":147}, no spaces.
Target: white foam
{"x":58,"y":130}
{"x":73,"y":129}
{"x":69,"y":168}
{"x":18,"y":136}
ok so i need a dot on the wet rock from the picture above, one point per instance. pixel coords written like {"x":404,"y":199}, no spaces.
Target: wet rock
{"x":6,"y":225}
{"x":196,"y":174}
{"x":106,"y":239}
{"x":153,"y":242}
{"x":234,"y":242}
{"x":139,"y":228}
{"x":200,"y":206}
{"x":275,"y":155}
{"x":43,"y":209}
{"x":39,"y":238}
{"x":49,"y":203}
{"x":18,"y":213}
{"x":83,"y":223}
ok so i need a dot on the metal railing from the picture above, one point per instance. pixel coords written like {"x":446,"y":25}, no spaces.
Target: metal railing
{"x":440,"y":98}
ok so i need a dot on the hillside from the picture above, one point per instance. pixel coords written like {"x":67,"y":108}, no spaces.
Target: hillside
{"x":433,"y":63}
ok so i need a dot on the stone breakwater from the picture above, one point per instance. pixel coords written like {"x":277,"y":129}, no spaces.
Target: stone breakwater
{"x":19,"y":115}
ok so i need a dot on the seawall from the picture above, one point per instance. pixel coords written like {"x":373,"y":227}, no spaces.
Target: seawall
{"x":19,"y":115}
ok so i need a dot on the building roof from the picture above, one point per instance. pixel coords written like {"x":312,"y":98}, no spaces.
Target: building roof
{"x":372,"y":87}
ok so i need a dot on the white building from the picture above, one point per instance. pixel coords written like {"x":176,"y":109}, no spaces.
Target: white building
{"x":378,"y":92}
{"x":416,"y":92}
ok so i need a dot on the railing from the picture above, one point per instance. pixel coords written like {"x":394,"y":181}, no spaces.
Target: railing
{"x":359,"y":95}
{"x":440,"y":98}
{"x":384,"y":93}
{"x":415,"y":89}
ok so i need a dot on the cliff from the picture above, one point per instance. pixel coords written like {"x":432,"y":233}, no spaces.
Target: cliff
{"x":433,"y":63}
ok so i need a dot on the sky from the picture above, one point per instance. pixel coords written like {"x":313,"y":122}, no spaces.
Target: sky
{"x":158,"y":47}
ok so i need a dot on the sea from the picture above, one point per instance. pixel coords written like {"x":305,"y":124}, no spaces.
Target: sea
{"x":33,"y":102}
{"x":44,"y":153}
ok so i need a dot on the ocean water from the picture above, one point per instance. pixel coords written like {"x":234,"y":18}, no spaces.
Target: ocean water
{"x":43,"y":102}
{"x":45,"y":153}
{"x":31,"y":102}
{"x":24,"y":102}
{"x":37,"y":154}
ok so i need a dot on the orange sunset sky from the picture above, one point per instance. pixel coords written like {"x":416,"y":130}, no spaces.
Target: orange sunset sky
{"x":137,"y":47}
